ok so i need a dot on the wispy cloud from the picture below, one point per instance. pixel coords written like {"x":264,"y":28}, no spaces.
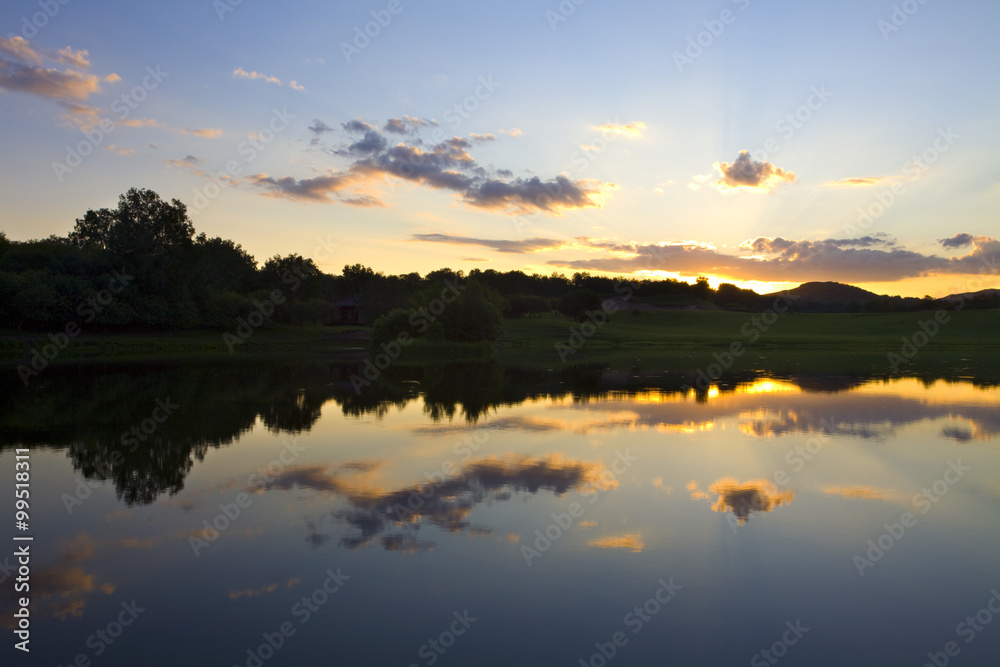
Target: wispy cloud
{"x":186,"y":162}
{"x":126,"y":152}
{"x":860,"y":182}
{"x":22,"y":70}
{"x":205,"y":133}
{"x":518,"y":246}
{"x":627,"y":541}
{"x":240,"y":73}
{"x":630,"y":130}
{"x":866,"y":259}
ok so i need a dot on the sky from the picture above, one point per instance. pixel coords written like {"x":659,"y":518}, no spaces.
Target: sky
{"x":764,"y":144}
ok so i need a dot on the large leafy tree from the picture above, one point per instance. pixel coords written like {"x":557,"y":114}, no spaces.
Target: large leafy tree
{"x":143,"y":224}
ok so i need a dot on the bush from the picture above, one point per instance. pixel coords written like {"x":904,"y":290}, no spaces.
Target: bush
{"x":389,"y":326}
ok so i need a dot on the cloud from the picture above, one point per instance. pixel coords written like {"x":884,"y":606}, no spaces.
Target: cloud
{"x":357,"y":125}
{"x":750,"y":174}
{"x":141,"y":122}
{"x":856,"y":492}
{"x":121,"y":151}
{"x":511,"y":133}
{"x":482,"y":138}
{"x":188,"y":161}
{"x":19,"y":48}
{"x":390,"y":517}
{"x":419,"y":122}
{"x":295,"y":85}
{"x":80,"y":116}
{"x":867,"y":259}
{"x":317,"y":189}
{"x":446,"y":165}
{"x":207,"y":133}
{"x":395,"y":126}
{"x":267,"y":588}
{"x":319,"y":128}
{"x":240,"y":73}
{"x":51,"y":83}
{"x":863,"y":181}
{"x":957,"y":241}
{"x":629,"y":541}
{"x":22,"y":70}
{"x":373,"y":142}
{"x":518,"y":247}
{"x":79,"y":59}
{"x":364,"y":201}
{"x":522,"y":196}
{"x":630,"y":130}
{"x":744,"y":498}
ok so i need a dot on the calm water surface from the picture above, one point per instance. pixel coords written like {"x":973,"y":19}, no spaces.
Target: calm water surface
{"x":498,"y":517}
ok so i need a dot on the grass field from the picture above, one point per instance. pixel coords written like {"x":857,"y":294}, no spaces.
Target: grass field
{"x":859,"y":331}
{"x":654,"y":341}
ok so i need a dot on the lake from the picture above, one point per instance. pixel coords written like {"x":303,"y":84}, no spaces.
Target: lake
{"x":488,"y":515}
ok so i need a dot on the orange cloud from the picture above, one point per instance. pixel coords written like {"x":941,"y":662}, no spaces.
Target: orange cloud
{"x":630,"y":541}
{"x":856,"y":492}
{"x":745,"y":498}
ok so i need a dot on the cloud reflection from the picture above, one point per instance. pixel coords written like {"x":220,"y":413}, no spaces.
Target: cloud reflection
{"x":743,"y":498}
{"x":392,"y":517}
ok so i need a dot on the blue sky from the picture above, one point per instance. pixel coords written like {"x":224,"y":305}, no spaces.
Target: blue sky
{"x":634,"y":134}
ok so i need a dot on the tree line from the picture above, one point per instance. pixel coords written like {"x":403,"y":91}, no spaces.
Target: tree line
{"x":170,"y":277}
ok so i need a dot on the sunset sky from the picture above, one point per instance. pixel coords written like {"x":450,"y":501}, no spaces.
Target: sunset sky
{"x":533,"y":135}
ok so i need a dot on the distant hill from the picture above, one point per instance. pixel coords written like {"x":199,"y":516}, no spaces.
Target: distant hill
{"x":982,"y":294}
{"x":828,"y":292}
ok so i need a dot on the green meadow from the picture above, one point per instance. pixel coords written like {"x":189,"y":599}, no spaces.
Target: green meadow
{"x":654,"y":341}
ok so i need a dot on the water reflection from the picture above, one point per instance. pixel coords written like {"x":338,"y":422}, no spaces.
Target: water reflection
{"x":89,"y":414}
{"x":393,"y":517}
{"x":392,"y":483}
{"x":743,"y":498}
